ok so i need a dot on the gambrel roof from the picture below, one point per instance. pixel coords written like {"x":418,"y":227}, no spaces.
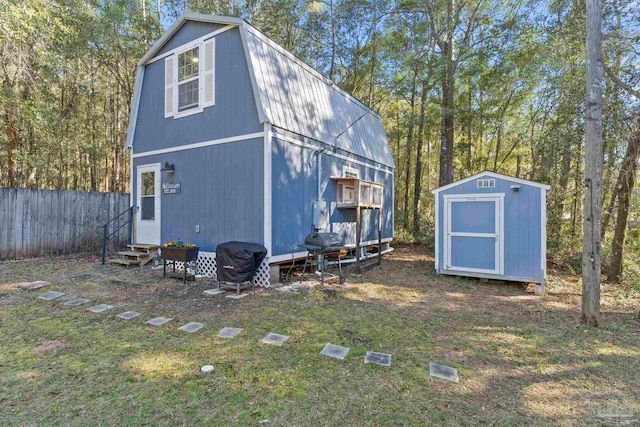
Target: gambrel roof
{"x":293,"y":96}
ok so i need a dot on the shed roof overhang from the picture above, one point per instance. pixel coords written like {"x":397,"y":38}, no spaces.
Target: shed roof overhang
{"x":492,"y":175}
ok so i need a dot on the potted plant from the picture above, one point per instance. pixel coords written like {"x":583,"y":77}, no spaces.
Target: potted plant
{"x":178,"y":251}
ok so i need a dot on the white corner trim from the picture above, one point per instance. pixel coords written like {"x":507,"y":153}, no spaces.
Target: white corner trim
{"x":262,"y":117}
{"x":133,"y":116}
{"x":200,"y":144}
{"x":267,"y":187}
{"x":543,"y":231}
{"x":492,"y":175}
{"x":437,"y":232}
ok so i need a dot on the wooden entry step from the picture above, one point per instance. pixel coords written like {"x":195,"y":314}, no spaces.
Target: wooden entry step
{"x":141,"y":247}
{"x":137,"y":255}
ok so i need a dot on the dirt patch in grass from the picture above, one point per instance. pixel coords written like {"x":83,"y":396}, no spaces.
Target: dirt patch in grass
{"x":50,"y":346}
{"x":522,"y":359}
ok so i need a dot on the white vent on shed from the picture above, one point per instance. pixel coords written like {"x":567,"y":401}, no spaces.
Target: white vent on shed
{"x":486,"y":183}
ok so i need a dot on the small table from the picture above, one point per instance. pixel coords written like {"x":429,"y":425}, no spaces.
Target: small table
{"x":319,"y":253}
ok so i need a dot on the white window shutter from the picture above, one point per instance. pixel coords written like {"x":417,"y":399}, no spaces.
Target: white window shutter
{"x":169,"y":86}
{"x":208,"y":83}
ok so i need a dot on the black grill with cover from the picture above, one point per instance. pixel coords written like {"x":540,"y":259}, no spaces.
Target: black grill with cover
{"x":237,"y":263}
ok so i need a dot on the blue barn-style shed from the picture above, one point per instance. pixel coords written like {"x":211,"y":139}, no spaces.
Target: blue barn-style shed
{"x":234,"y":138}
{"x":492,"y":226}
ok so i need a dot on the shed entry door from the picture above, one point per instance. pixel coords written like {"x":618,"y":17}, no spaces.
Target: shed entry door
{"x":474,"y":233}
{"x":148,"y":204}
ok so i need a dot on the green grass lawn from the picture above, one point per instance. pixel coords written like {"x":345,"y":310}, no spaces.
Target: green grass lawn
{"x":522,"y":359}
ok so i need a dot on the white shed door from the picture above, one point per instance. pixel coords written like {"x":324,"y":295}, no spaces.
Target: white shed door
{"x":474,"y":233}
{"x":148,"y":204}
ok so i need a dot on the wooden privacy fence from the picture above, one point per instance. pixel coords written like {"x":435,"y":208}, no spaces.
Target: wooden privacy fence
{"x":47,"y":222}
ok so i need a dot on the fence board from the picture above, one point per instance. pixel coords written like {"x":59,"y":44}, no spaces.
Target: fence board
{"x":46,"y":222}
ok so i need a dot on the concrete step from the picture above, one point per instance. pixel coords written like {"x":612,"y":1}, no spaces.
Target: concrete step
{"x":124,"y":261}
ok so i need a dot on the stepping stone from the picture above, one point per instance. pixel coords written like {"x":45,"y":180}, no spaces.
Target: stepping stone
{"x":128,"y":315}
{"x":335,"y":351}
{"x":191,"y":327}
{"x":78,"y":275}
{"x":229,"y":332}
{"x":105,"y":267}
{"x":48,"y":296}
{"x":207,"y":369}
{"x":100,"y":308}
{"x":236,"y":296}
{"x":381,"y":359}
{"x":158,"y":321}
{"x":77,"y":301}
{"x":32,"y":286}
{"x":275,"y":339}
{"x":443,"y":372}
{"x":212,"y":292}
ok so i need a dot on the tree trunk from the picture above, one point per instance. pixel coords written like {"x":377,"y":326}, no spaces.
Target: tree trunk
{"x":407,"y":176}
{"x":591,"y":254}
{"x":418,"y":180}
{"x":628,"y":173}
{"x":446,"y":148}
{"x":12,"y":139}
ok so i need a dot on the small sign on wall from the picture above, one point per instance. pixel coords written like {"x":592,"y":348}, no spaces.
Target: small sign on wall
{"x":171,"y":187}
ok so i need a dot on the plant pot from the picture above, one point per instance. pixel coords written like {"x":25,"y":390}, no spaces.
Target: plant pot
{"x":179,"y":254}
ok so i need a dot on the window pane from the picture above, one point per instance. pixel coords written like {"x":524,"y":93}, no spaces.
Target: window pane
{"x":188,"y":64}
{"x":188,"y":95}
{"x":148,"y":184}
{"x":147,"y":210}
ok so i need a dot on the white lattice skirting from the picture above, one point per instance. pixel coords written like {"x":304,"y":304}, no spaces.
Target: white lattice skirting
{"x":207,"y":267}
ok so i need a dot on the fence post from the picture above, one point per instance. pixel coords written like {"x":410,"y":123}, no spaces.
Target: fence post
{"x":104,"y":243}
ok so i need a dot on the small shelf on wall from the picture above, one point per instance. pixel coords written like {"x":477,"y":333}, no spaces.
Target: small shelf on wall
{"x":353,"y":193}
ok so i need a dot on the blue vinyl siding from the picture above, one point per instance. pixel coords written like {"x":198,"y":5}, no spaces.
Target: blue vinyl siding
{"x":522,"y":226}
{"x":222,"y":192}
{"x":191,"y":30}
{"x":234,"y":113}
{"x":294,"y":187}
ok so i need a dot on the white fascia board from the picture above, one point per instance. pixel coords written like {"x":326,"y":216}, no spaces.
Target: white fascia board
{"x":135,"y":103}
{"x":190,"y":44}
{"x":492,"y":175}
{"x":199,"y":145}
{"x":213,"y":19}
{"x":262,"y":116}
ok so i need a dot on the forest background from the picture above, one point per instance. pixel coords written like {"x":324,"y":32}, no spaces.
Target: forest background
{"x":463,"y":86}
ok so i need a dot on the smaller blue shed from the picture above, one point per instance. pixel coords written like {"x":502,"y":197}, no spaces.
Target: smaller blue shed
{"x":492,"y":226}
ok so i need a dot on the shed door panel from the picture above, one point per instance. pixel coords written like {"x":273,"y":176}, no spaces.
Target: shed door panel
{"x":473,"y":240}
{"x":473,"y":217}
{"x":473,"y":252}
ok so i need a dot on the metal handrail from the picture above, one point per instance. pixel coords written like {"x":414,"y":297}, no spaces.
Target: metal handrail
{"x":105,"y":229}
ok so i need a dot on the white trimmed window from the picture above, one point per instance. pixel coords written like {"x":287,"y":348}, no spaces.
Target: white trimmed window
{"x":190,"y":80}
{"x":486,"y":183}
